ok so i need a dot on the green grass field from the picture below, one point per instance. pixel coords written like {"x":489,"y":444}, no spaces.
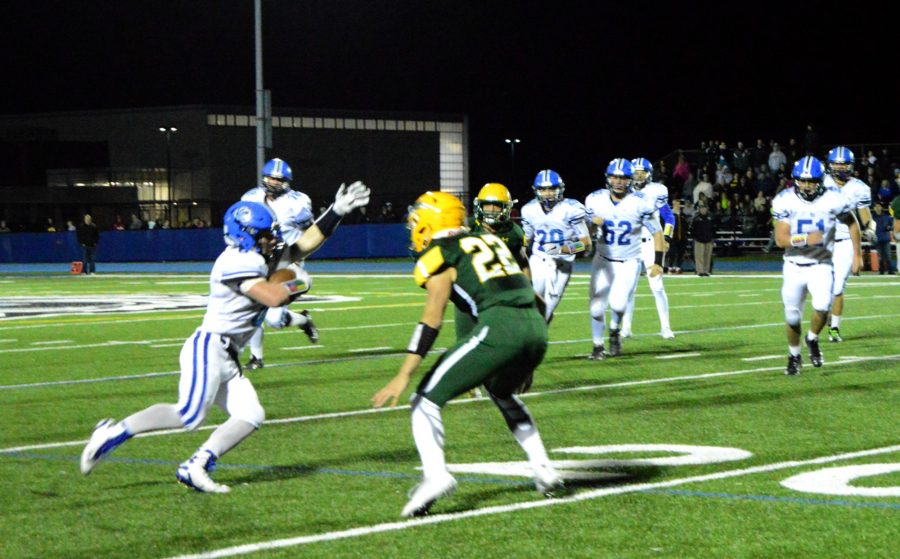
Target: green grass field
{"x":327,"y":475}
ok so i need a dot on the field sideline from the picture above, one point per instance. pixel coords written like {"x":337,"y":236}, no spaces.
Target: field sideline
{"x":693,"y":447}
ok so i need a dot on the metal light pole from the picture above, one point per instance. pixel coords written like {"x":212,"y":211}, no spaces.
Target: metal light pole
{"x":512,"y":157}
{"x":168,"y":131}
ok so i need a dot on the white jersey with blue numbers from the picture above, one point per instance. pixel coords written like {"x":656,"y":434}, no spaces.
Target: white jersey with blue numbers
{"x":805,"y":217}
{"x":619,"y":238}
{"x":659,"y":194}
{"x":857,"y":193}
{"x":293,"y":211}
{"x":229,"y":312}
{"x":566,"y":221}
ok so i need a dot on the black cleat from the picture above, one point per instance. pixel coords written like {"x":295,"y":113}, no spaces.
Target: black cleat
{"x":815,"y":354}
{"x":598,"y":354}
{"x":795,"y":362}
{"x":310,"y":328}
{"x":254,"y":363}
{"x":615,"y":343}
{"x":834,"y":335}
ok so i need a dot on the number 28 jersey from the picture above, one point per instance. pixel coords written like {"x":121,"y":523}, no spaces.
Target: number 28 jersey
{"x":487,"y":274}
{"x":564,"y":222}
{"x":619,"y":238}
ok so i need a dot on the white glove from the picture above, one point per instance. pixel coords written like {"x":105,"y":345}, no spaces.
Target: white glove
{"x":869,"y":233}
{"x":550,"y":249}
{"x":348,"y":198}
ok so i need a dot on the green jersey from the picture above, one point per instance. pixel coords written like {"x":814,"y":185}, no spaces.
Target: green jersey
{"x":487,"y":274}
{"x":511,"y":234}
{"x":895,"y":207}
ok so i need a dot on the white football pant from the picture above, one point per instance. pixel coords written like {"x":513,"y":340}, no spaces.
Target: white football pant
{"x":816,"y":279}
{"x":648,"y":255}
{"x":549,"y":278}
{"x":611,"y":284}
{"x":842,"y":260}
{"x":210,"y":374}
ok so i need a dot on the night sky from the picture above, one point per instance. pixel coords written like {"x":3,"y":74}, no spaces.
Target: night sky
{"x":579,"y":83}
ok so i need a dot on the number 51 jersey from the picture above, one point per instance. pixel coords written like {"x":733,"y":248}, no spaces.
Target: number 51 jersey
{"x":487,"y":274}
{"x":804,"y":216}
{"x":619,"y":238}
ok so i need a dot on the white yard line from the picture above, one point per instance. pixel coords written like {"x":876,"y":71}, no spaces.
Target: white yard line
{"x":763,"y":357}
{"x":370,"y":411}
{"x":364,"y":349}
{"x":678,"y":355}
{"x":362,"y":531}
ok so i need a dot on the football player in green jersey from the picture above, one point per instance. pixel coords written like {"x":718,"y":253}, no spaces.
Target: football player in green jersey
{"x":492,"y":208}
{"x":480,"y":275}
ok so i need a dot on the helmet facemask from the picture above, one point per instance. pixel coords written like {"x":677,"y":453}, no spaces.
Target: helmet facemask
{"x":619,"y":185}
{"x":640,"y":180}
{"x":275,"y":187}
{"x":492,"y":212}
{"x":808,"y":189}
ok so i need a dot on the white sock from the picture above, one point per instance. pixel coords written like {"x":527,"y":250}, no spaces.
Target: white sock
{"x":835,"y":321}
{"x":256,"y":343}
{"x":811,"y":336}
{"x":428,"y":433}
{"x":227,"y":436}
{"x":530,"y":441}
{"x":157,"y":416}
{"x":598,"y":327}
{"x":662,"y":308}
{"x":629,"y":311}
{"x":794,"y":350}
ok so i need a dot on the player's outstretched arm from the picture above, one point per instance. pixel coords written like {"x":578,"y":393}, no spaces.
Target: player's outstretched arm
{"x":426,"y":332}
{"x":347,"y":199}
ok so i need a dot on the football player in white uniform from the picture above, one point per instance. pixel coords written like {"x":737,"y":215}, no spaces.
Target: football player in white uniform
{"x":805,"y":223}
{"x":656,"y":191}
{"x":839,"y":177}
{"x":620,"y":216}
{"x":556,"y":230}
{"x":210,"y":370}
{"x":293,"y":212}
{"x":294,"y":217}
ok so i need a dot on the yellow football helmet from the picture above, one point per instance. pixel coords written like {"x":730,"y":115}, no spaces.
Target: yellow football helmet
{"x":493,"y":193}
{"x":432,"y":213}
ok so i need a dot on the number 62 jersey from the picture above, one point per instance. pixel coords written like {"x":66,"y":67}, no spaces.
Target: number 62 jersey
{"x":619,"y":238}
{"x":487,"y":274}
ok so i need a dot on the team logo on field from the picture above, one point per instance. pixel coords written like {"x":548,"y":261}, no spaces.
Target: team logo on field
{"x":30,"y":307}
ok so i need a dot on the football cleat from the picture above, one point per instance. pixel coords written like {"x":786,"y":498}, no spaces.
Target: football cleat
{"x":195,"y":473}
{"x":423,"y":496}
{"x":598,"y":354}
{"x":815,"y":354}
{"x":254,"y":363}
{"x":615,"y":344}
{"x":101,"y":443}
{"x":795,"y":362}
{"x":834,"y":335}
{"x":547,"y":480}
{"x":309,"y":328}
{"x":667,"y":334}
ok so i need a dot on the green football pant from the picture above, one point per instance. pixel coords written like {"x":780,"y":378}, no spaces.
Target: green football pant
{"x":505,"y":347}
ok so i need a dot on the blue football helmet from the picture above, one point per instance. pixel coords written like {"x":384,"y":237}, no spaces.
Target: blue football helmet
{"x":807,"y":175}
{"x":840,"y":163}
{"x":619,"y":168}
{"x":549,"y":188}
{"x":277,"y":177}
{"x":643,"y":172}
{"x":245,"y":223}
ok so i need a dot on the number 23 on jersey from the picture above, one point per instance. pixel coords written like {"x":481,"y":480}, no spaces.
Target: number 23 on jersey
{"x":491,"y":258}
